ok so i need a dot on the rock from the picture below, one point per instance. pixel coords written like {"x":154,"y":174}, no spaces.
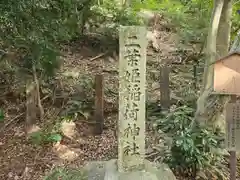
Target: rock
{"x":111,"y":172}
{"x":162,"y":171}
{"x":96,"y":170}
{"x":69,"y":129}
{"x":33,"y":129}
{"x":140,"y":175}
{"x":64,"y":152}
{"x":152,"y":37}
{"x":72,"y":74}
{"x":102,"y":170}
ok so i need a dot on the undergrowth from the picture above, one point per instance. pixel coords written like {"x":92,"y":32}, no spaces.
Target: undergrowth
{"x":67,"y":174}
{"x":193,"y":149}
{"x":33,"y":31}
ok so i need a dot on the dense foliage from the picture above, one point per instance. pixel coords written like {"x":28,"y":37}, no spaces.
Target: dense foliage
{"x":192,"y":149}
{"x":35,"y":27}
{"x":31,"y":32}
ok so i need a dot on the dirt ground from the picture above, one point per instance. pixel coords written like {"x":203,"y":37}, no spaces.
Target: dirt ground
{"x":21,"y":160}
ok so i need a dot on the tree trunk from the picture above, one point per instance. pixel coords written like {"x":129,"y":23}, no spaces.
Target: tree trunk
{"x":39,"y":103}
{"x":224,"y":30}
{"x":31,"y":105}
{"x":223,"y":41}
{"x":204,"y":102}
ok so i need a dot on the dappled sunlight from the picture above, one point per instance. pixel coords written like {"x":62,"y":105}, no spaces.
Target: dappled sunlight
{"x":64,"y":152}
{"x":33,"y":129}
{"x":69,"y":129}
{"x":114,"y":85}
{"x":74,"y":73}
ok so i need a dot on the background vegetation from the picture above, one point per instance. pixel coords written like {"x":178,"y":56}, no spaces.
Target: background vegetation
{"x":32,"y":34}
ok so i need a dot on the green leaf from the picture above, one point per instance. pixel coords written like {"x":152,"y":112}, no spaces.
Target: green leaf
{"x":178,"y":142}
{"x":1,"y":115}
{"x":54,"y":138}
{"x":36,"y":137}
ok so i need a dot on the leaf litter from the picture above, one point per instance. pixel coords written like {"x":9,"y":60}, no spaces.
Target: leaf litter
{"x":21,"y":160}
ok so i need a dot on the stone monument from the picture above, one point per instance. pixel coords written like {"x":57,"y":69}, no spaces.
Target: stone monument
{"x":131,"y":163}
{"x":132,"y":80}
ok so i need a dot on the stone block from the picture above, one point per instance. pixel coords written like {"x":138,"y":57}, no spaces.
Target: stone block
{"x":107,"y":170}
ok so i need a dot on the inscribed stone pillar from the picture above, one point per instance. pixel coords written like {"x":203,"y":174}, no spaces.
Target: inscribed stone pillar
{"x":131,"y":127}
{"x":233,"y":126}
{"x":132,"y":82}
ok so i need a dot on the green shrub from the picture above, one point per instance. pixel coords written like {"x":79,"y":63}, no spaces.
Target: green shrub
{"x":107,"y":17}
{"x":192,"y":149}
{"x":40,"y":137}
{"x":235,"y":19}
{"x":34,"y":28}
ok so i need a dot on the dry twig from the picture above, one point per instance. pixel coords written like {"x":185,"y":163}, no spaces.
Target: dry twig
{"x":98,"y":56}
{"x":15,"y":120}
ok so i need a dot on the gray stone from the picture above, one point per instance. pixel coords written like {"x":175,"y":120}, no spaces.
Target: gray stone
{"x":132,"y":87}
{"x":107,"y":170}
{"x":96,"y":170}
{"x":131,"y":163}
{"x":111,"y":172}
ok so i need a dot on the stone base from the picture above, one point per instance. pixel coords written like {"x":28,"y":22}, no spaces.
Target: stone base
{"x":107,"y":170}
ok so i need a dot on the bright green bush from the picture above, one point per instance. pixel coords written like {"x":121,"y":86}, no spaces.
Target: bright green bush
{"x":192,"y":149}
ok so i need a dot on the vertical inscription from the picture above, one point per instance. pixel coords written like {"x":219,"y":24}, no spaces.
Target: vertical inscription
{"x":237,"y":125}
{"x":230,"y":130}
{"x":233,"y":126}
{"x":132,"y":74}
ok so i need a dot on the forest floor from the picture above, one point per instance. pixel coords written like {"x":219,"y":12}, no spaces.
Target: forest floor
{"x":20,"y":159}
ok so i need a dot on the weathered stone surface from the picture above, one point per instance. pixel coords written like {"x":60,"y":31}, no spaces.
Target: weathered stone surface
{"x":96,"y":170}
{"x":132,"y":87}
{"x":131,"y":163}
{"x":139,"y":175}
{"x":107,"y":170}
{"x":162,"y":171}
{"x":111,"y":172}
